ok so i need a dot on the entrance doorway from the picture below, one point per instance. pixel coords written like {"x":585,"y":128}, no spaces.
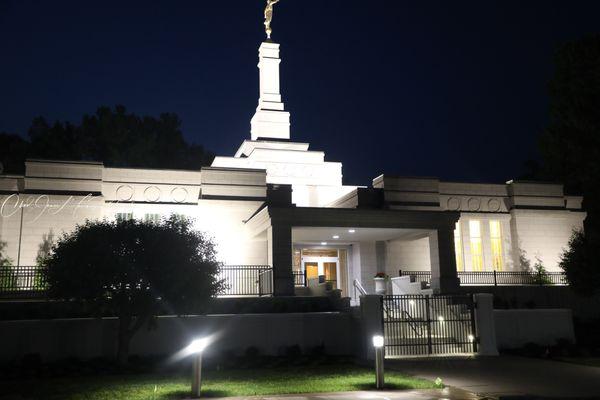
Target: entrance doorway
{"x":323,"y":265}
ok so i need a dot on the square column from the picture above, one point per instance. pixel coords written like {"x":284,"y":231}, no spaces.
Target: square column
{"x":444,"y":278}
{"x":279,"y":242}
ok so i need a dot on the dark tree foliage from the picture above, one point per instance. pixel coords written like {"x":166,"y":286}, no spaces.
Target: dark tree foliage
{"x":570,"y":146}
{"x":13,"y":150}
{"x":570,"y":149}
{"x":133,"y":270}
{"x":580,"y":265}
{"x":115,"y":137}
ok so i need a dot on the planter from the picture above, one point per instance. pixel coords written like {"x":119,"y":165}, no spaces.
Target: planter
{"x":380,"y":286}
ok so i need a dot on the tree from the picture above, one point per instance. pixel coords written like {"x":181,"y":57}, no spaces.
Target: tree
{"x":7,"y":277}
{"x":570,"y":149}
{"x":13,"y":150}
{"x":570,"y":146}
{"x":133,"y":269}
{"x":4,"y":260}
{"x":113,"y":136}
{"x":579,"y":263}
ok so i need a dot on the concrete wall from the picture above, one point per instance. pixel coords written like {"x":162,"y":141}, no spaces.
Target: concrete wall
{"x":270,"y":333}
{"x":516,"y":328}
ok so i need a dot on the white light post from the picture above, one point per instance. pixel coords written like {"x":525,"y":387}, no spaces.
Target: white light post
{"x":378,"y":343}
{"x":196,"y":348}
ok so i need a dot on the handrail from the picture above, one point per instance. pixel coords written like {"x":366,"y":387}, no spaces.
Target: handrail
{"x":412,"y":323}
{"x":359,"y":286}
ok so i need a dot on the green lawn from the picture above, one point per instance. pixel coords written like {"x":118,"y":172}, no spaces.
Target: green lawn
{"x":332,"y":378}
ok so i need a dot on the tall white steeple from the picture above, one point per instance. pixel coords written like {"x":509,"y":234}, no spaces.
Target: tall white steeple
{"x":270,"y":120}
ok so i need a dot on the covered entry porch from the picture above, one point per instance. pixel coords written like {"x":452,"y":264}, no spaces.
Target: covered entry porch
{"x":342,"y":245}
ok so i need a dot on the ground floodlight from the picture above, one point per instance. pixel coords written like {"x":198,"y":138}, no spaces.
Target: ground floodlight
{"x":471,"y":338}
{"x":196,"y":348}
{"x":198,"y":345}
{"x":378,"y":341}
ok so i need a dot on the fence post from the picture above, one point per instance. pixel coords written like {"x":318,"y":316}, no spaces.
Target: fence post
{"x":429,"y":344}
{"x":485,"y":325}
{"x":495,"y":280}
{"x":259,"y":283}
{"x":371,"y":309}
{"x":305,"y":280}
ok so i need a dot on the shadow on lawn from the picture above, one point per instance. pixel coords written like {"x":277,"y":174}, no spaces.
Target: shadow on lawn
{"x":387,"y":386}
{"x":184,"y":394}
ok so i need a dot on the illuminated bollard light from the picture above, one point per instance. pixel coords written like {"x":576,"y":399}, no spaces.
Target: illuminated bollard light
{"x":196,"y":348}
{"x":378,"y":343}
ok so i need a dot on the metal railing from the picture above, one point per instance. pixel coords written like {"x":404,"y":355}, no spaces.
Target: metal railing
{"x":358,"y":287}
{"x":496,"y":278}
{"x":21,"y":281}
{"x":299,"y":278}
{"x":240,"y":280}
{"x":247,"y":280}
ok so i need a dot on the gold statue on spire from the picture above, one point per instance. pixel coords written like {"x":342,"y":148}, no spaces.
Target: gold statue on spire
{"x":269,"y":16}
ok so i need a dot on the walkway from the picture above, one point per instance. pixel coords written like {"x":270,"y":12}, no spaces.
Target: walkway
{"x":508,"y":375}
{"x":433,"y":394}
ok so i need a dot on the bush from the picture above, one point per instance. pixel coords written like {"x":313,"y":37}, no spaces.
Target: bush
{"x":579,"y":262}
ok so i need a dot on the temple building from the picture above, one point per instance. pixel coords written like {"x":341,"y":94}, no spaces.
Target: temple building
{"x":281,"y":205}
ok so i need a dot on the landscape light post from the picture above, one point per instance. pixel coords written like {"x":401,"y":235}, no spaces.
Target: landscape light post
{"x":196,"y":348}
{"x":379,"y":357}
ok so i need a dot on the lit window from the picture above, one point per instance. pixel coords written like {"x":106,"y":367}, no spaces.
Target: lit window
{"x":476,"y":248}
{"x":123,"y":217}
{"x":458,"y":248}
{"x":154,"y":218}
{"x":496,"y":240}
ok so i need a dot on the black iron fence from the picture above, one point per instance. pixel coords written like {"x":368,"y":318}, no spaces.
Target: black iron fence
{"x":21,"y":281}
{"x":299,"y":278}
{"x":240,"y":280}
{"x":247,"y":280}
{"x":496,"y":278}
{"x":424,"y":325}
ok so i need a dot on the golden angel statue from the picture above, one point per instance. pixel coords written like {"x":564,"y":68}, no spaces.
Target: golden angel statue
{"x":269,"y":16}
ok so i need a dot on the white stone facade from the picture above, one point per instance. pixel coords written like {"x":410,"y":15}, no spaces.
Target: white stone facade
{"x":275,"y":195}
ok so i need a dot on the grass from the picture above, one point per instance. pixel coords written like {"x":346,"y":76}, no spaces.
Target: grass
{"x":285,"y":380}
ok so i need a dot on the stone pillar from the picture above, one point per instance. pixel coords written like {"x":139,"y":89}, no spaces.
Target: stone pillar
{"x":371,"y":309}
{"x":279,"y":242}
{"x":443,"y":262}
{"x":485,"y":324}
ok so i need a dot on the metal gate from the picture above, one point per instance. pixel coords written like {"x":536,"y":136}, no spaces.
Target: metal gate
{"x":424,"y":325}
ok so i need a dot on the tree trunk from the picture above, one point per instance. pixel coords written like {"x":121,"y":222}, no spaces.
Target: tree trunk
{"x":124,"y":336}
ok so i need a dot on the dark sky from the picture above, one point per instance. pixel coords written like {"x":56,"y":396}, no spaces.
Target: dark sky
{"x":455,"y":89}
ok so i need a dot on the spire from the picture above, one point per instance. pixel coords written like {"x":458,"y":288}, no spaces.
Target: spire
{"x":270,"y":120}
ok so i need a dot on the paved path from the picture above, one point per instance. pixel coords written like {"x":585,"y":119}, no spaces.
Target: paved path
{"x":508,"y":375}
{"x":434,"y":394}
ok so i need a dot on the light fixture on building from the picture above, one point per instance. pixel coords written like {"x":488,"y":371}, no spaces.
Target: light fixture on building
{"x":196,"y":348}
{"x":323,"y":243}
{"x":351,"y":230}
{"x":378,"y":343}
{"x":440,"y":318}
{"x":336,"y":236}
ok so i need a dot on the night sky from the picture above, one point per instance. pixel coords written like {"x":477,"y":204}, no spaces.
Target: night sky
{"x":454,"y":89}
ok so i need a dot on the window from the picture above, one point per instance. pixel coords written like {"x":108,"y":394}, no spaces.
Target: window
{"x":458,"y":248}
{"x":476,"y":248}
{"x":123,"y":217}
{"x":154,"y":218}
{"x":496,"y":240}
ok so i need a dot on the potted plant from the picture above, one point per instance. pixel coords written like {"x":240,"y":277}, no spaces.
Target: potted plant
{"x":380,"y":279}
